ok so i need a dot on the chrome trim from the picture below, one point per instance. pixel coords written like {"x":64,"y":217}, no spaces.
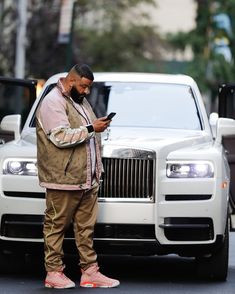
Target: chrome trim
{"x":121,"y":200}
{"x":129,"y":175}
{"x":127,"y":152}
{"x":126,"y":240}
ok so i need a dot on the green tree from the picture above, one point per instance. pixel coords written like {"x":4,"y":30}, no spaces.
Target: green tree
{"x":109,"y":35}
{"x":7,"y":37}
{"x":210,"y":67}
{"x":118,"y":38}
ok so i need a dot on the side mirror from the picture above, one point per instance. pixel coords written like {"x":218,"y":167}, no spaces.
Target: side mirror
{"x":225,"y":126}
{"x":213,"y":122}
{"x":12,"y":123}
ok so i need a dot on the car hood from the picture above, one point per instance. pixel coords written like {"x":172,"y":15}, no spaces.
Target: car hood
{"x":162,"y":141}
{"x":155,"y":139}
{"x":152,"y":136}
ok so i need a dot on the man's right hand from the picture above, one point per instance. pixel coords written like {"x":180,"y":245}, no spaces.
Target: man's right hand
{"x":101,"y":124}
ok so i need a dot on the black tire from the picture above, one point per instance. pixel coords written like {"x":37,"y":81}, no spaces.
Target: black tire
{"x":215,"y":266}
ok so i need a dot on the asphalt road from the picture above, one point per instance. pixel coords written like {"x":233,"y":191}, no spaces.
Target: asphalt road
{"x":139,"y":275}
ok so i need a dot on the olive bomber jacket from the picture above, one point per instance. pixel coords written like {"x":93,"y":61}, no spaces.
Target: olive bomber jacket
{"x":67,"y":168}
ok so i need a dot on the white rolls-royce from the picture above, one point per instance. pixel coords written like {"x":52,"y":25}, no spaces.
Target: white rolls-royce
{"x":165,"y":187}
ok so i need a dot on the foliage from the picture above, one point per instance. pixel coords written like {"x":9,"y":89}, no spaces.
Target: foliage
{"x":209,"y":67}
{"x":44,"y":55}
{"x":108,"y":35}
{"x":7,"y":38}
{"x":117,"y":37}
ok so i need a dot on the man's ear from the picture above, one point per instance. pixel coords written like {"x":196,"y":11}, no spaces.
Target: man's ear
{"x":72,"y":81}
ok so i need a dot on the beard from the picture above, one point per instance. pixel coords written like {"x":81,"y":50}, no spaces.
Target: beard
{"x":76,"y":96}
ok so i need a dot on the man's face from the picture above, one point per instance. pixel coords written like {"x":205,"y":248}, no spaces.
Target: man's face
{"x":80,"y":89}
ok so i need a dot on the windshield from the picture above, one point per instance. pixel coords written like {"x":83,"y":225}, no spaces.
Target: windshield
{"x":146,"y":104}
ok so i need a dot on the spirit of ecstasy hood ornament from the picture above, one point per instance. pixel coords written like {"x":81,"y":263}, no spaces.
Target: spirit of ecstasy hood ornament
{"x":107,"y":133}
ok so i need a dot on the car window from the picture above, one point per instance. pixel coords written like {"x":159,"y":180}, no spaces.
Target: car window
{"x":146,"y":105}
{"x":227,"y":103}
{"x":14,"y":99}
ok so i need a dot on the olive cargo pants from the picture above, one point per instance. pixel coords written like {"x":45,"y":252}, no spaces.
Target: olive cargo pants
{"x":63,"y":208}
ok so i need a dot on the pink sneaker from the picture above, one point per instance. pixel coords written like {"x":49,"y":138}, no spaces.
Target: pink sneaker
{"x":92,"y":278}
{"x":58,"y":280}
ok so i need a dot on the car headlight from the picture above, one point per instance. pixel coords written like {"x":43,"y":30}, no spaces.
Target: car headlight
{"x":20,"y":167}
{"x":197,"y":169}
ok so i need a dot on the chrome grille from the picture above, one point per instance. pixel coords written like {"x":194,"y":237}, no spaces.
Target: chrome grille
{"x":127,"y":178}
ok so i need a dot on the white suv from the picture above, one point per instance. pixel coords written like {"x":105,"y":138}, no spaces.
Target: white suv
{"x":166,"y":183}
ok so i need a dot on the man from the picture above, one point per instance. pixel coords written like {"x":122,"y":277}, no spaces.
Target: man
{"x":69,"y":167}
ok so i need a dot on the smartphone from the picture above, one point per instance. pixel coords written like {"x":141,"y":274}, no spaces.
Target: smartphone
{"x":111,"y":115}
